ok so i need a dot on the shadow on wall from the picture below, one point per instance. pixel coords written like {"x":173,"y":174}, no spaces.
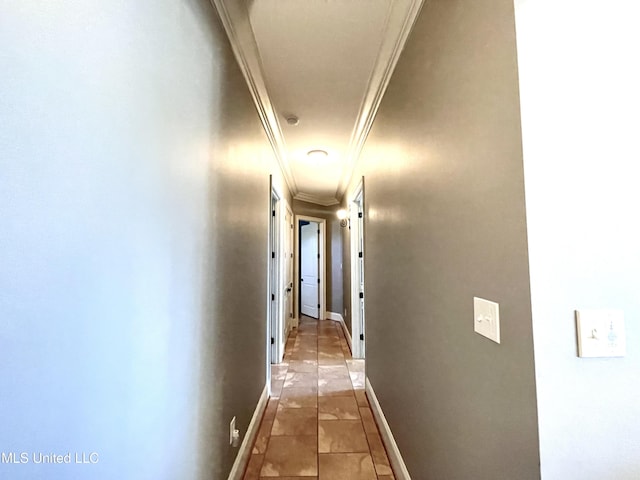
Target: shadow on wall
{"x":233,"y":324}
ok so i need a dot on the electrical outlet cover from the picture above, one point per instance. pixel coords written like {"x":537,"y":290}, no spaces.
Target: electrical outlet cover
{"x":486,"y":318}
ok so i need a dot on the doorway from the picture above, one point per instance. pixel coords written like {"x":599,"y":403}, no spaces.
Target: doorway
{"x":309,"y":269}
{"x":356,"y":208}
{"x":274,"y":278}
{"x":310,"y":298}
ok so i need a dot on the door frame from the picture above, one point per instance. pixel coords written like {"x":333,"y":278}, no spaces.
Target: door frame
{"x":288,"y":236}
{"x":322,"y":224}
{"x":356,"y":203}
{"x":274,"y":276}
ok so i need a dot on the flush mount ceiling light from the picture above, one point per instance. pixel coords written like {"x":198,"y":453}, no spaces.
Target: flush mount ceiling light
{"x":317,"y":154}
{"x":292,"y":120}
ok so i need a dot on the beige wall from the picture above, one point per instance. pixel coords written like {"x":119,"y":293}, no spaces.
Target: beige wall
{"x":445,"y":221}
{"x":579,"y":82}
{"x":135,"y":200}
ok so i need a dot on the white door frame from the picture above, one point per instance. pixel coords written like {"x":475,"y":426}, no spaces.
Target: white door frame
{"x":356,"y":204}
{"x":322,"y":224}
{"x":274,"y":276}
{"x":286,"y":315}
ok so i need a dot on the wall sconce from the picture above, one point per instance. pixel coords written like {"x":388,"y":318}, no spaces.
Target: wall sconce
{"x":342,"y":215}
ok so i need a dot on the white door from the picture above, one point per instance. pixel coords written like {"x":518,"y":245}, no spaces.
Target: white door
{"x":309,"y":279}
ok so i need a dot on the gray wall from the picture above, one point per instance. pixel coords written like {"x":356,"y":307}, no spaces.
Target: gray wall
{"x":333,"y":257}
{"x":580,"y":103}
{"x":134,"y":186}
{"x":346,"y":270}
{"x":445,"y":222}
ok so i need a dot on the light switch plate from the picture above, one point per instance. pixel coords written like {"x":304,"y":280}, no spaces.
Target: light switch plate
{"x":601,"y":333}
{"x":486,"y":318}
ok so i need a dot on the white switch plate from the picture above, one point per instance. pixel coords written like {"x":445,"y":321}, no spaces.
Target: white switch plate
{"x":486,"y":318}
{"x":601,"y":333}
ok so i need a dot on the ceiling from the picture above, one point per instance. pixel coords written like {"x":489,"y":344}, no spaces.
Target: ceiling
{"x":325,"y":62}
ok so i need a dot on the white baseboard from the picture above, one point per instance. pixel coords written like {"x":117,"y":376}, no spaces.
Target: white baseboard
{"x":244,"y":454}
{"x":338,"y":318}
{"x":397,"y":463}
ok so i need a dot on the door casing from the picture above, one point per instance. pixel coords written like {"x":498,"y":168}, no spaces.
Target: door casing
{"x":322,"y":223}
{"x":356,"y":205}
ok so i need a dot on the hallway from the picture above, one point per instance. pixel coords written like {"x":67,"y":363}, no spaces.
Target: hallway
{"x":318,"y":423}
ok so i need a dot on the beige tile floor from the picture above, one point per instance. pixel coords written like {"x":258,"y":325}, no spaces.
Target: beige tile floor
{"x":318,"y":423}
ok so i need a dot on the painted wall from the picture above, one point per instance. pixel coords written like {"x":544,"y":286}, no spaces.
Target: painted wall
{"x":346,"y":270}
{"x":445,"y":221}
{"x":333,"y":255}
{"x":580,"y":100}
{"x":133,"y":191}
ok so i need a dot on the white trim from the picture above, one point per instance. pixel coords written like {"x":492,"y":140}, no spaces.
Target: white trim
{"x":324,"y":201}
{"x":397,"y":463}
{"x":287,"y":233}
{"x":355,"y":201}
{"x":400,"y":20}
{"x":235,"y":19}
{"x":322,"y":313}
{"x":244,"y":453}
{"x":275,"y":330}
{"x":338,"y":318}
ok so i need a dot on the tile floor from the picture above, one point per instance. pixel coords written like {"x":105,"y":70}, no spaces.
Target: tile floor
{"x":318,"y":423}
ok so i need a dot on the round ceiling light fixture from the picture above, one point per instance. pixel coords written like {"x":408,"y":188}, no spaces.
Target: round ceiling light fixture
{"x":317,"y":154}
{"x":292,"y":120}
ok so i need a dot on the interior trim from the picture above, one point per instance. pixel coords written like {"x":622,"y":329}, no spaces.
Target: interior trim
{"x":235,"y":20}
{"x":397,"y":463}
{"x":244,"y":454}
{"x":338,"y":318}
{"x":306,"y":197}
{"x":400,"y":20}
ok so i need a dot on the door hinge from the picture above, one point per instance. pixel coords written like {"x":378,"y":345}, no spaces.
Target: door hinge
{"x":291,"y":315}
{"x":360,"y":254}
{"x":273,"y":297}
{"x":361,"y":294}
{"x":362,"y":336}
{"x":318,"y":305}
{"x":273,"y":341}
{"x":318,"y":255}
{"x":359,"y":214}
{"x":273,"y":213}
{"x":273,"y":254}
{"x":318,"y":280}
{"x":318,"y":231}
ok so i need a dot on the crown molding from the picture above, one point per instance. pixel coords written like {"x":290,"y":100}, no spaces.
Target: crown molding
{"x":235,"y":19}
{"x":324,"y":201}
{"x":400,"y":20}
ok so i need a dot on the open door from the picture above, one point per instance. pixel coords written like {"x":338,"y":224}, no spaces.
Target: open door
{"x":356,"y":208}
{"x":288,"y":269}
{"x":309,"y":269}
